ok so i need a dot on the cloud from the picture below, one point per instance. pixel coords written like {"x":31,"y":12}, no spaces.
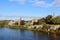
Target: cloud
{"x":40,"y":3}
{"x":19,"y":1}
{"x":56,"y":3}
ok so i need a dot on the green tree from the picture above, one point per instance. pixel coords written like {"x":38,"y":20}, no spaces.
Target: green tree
{"x":56,"y":20}
{"x":49,"y":19}
{"x":53,"y":21}
{"x":46,"y":26}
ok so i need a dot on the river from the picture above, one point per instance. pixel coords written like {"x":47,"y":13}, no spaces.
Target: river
{"x":14,"y":34}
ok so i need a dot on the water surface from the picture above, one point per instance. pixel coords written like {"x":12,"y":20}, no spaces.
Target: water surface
{"x":13,"y":34}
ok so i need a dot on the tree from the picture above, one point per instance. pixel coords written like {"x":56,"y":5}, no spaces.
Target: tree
{"x":46,"y":26}
{"x":49,"y":19}
{"x":56,"y":20}
{"x":53,"y":21}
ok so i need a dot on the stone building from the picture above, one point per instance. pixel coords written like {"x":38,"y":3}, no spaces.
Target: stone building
{"x":17,"y":22}
{"x":11,"y":23}
{"x":34,"y":20}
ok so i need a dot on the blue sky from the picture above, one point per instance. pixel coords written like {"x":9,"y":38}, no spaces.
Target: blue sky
{"x":38,"y":8}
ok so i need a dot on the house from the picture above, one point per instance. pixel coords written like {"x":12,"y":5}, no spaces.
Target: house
{"x":34,"y":20}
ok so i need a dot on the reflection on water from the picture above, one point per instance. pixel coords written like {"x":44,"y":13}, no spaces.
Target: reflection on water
{"x":12,"y":34}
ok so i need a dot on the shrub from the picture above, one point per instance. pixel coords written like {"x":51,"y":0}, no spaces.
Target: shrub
{"x":46,"y":26}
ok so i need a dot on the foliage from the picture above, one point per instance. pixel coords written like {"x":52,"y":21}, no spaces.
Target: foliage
{"x":48,"y":19}
{"x":57,"y":20}
{"x":36,"y":23}
{"x":28,"y":25}
{"x":4,"y":22}
{"x":53,"y":21}
{"x":46,"y":26}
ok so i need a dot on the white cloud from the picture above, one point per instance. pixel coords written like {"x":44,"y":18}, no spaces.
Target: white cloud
{"x":39,"y":3}
{"x":19,"y":1}
{"x":42,"y":4}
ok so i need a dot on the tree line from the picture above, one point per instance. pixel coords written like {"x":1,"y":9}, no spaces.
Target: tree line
{"x":49,"y":20}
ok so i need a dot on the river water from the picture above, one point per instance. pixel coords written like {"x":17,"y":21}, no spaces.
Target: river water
{"x":14,"y":34}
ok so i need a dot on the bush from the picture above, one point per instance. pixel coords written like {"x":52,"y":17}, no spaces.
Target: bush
{"x":46,"y":26}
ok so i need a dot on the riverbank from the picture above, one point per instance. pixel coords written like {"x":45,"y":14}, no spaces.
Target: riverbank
{"x":34,"y":28}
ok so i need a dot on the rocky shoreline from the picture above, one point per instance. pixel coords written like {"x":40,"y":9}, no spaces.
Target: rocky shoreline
{"x":34,"y":28}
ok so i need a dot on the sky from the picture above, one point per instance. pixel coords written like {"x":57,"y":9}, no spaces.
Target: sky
{"x":35,"y":8}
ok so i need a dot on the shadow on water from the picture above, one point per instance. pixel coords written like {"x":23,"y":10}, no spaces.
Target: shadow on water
{"x":12,"y":34}
{"x":54,"y":37}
